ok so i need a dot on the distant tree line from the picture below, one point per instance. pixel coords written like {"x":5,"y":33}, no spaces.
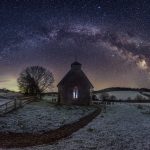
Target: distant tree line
{"x":122,"y":89}
{"x":104,"y":96}
{"x":4,"y":90}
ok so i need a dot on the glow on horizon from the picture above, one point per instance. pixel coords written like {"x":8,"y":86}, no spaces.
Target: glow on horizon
{"x":9,"y":83}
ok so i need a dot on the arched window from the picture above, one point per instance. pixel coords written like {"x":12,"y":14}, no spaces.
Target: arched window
{"x":75,"y":93}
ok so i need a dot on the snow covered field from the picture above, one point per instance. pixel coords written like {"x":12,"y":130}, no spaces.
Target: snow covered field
{"x":148,"y":93}
{"x":3,"y":101}
{"x":125,"y":95}
{"x":10,"y":94}
{"x":7,"y":97}
{"x":122,"y":127}
{"x":9,"y":100}
{"x":41,"y":116}
{"x":52,"y":98}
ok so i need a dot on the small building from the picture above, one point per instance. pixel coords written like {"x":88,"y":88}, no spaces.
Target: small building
{"x":75,"y":88}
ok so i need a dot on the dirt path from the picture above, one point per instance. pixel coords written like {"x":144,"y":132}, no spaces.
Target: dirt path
{"x":28,"y":139}
{"x":122,"y":127}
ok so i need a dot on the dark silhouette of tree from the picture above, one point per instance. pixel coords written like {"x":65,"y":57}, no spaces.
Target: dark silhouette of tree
{"x":35,"y":80}
{"x":113,"y":98}
{"x":104,"y":96}
{"x":94,"y":97}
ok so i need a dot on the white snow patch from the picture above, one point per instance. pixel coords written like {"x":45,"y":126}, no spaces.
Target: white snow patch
{"x":41,"y":116}
{"x":3,"y":101}
{"x":124,"y":95}
{"x":10,"y":94}
{"x":7,"y":97}
{"x":122,"y":127}
{"x":148,"y":93}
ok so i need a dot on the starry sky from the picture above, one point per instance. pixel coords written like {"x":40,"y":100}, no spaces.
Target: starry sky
{"x":111,"y":38}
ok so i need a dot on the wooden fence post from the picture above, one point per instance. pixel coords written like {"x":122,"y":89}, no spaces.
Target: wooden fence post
{"x":15,"y":103}
{"x":20,"y":103}
{"x":6,"y":108}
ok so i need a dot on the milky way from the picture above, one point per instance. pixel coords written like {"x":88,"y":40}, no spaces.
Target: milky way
{"x":110,"y":40}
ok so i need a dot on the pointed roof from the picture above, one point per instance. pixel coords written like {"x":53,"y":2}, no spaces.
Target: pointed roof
{"x":75,"y":76}
{"x":75,"y":63}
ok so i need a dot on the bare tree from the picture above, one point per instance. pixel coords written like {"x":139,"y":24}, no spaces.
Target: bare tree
{"x":35,"y":80}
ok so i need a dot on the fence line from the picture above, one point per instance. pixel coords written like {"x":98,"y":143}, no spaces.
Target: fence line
{"x":15,"y":104}
{"x":119,"y":101}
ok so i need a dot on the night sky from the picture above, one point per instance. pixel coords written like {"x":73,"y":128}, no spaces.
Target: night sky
{"x":111,"y":38}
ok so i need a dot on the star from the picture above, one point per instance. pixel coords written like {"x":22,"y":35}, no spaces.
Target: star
{"x":106,"y":35}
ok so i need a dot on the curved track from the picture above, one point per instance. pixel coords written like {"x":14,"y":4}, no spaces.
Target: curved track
{"x":11,"y":140}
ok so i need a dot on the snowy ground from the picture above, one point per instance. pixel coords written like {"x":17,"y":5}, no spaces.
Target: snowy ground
{"x":41,"y":116}
{"x":122,"y":127}
{"x":10,"y":94}
{"x":7,"y":97}
{"x":148,"y":93}
{"x":52,"y":98}
{"x":3,"y":101}
{"x":125,"y":95}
